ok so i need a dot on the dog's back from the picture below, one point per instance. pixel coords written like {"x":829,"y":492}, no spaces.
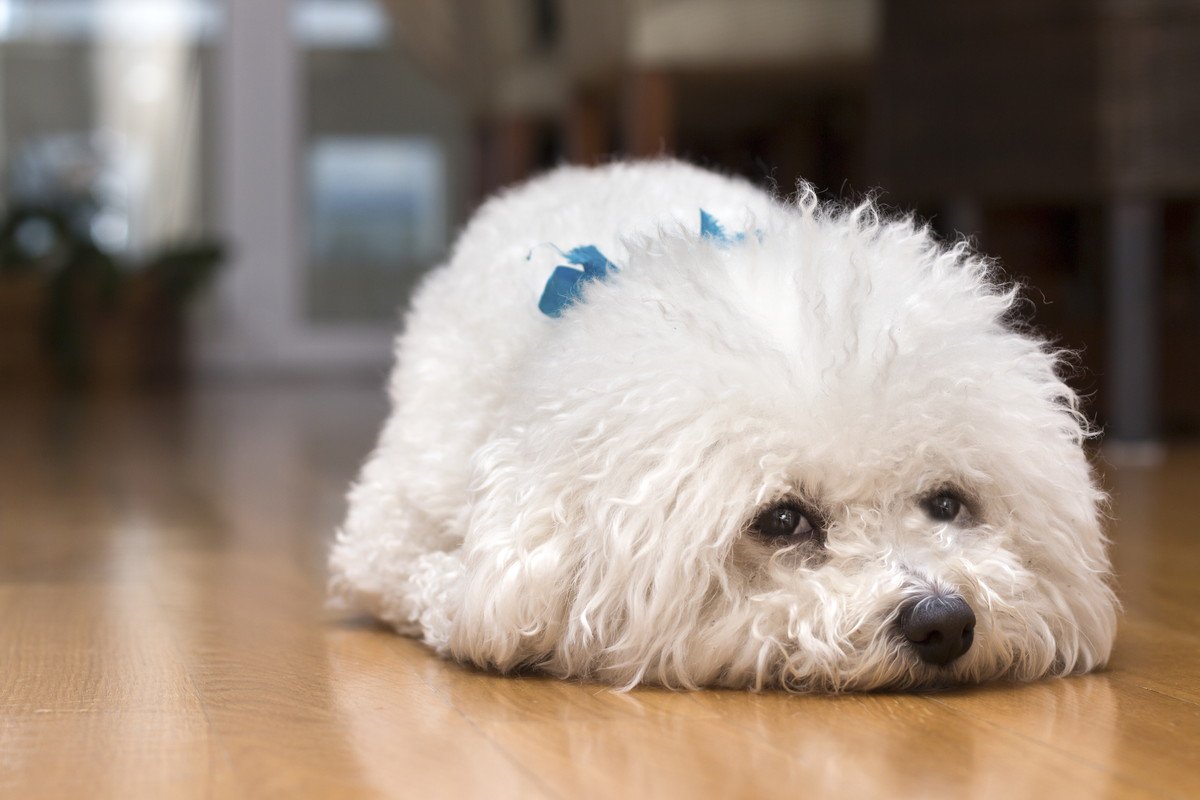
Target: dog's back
{"x":471,"y":324}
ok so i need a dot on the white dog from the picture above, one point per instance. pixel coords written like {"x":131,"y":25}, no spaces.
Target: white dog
{"x":748,"y":444}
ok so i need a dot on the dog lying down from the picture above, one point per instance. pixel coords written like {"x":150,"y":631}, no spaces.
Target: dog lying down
{"x":651,"y":425}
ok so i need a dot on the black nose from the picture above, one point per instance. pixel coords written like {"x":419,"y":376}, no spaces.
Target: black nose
{"x":939,"y":628}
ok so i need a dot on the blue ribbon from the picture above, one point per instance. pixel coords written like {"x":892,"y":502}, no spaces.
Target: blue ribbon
{"x":711,"y":229}
{"x":565,"y":285}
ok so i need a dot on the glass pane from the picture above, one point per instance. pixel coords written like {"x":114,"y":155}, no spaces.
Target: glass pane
{"x":377,"y":202}
{"x":384,"y":154}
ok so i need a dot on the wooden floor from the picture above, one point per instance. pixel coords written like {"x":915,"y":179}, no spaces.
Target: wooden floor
{"x":162,"y":636}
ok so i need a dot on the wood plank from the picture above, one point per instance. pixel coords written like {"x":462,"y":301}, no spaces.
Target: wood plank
{"x":1104,"y":721}
{"x":95,"y":701}
{"x":162,"y":635}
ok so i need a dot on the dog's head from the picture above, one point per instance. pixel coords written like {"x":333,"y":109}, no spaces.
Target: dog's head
{"x":818,"y":458}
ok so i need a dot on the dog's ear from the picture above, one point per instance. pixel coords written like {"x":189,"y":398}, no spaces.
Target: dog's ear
{"x":595,"y":563}
{"x":518,"y":565}
{"x":1061,"y":511}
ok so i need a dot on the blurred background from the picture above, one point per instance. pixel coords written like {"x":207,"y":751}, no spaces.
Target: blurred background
{"x":197,"y":193}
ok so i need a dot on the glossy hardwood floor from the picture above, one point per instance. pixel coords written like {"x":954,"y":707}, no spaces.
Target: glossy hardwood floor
{"x":162,"y":636}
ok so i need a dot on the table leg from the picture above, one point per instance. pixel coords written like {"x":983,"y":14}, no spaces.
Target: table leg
{"x":1133,"y":276}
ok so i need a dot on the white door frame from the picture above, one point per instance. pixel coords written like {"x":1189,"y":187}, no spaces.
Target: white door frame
{"x":255,"y":322}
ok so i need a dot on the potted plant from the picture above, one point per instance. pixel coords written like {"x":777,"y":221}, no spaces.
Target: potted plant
{"x":73,"y":315}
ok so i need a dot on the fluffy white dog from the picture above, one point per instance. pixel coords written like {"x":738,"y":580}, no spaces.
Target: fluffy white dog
{"x":750,"y":443}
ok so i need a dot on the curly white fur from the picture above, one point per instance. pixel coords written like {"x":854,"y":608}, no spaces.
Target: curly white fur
{"x":573,"y":494}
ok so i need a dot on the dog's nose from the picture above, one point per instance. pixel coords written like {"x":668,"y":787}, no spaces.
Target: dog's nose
{"x":939,"y":628}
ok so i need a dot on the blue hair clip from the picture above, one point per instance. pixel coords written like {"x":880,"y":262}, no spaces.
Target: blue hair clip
{"x":566,"y":283}
{"x":711,"y":229}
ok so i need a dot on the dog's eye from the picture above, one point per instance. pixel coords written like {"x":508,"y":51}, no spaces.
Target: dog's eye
{"x":789,"y":522}
{"x":944,"y":506}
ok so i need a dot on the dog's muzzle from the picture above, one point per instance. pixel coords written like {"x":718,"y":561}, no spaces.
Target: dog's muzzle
{"x":939,"y":628}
